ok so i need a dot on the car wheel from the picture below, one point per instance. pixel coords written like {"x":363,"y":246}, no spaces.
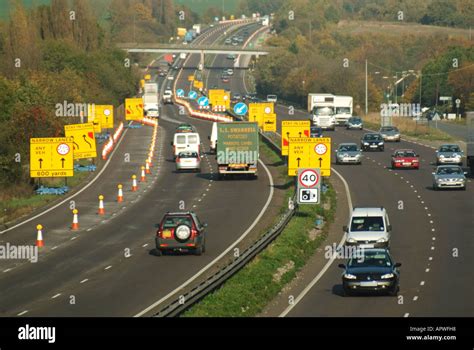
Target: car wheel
{"x":394,"y":291}
{"x":463,"y":188}
{"x":198,"y":251}
{"x":435,"y":188}
{"x":346,"y":292}
{"x":158,"y":252}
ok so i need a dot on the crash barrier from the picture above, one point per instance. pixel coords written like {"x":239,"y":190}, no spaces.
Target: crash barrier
{"x":109,"y":146}
{"x":52,"y":190}
{"x":91,"y":167}
{"x":134,"y":126}
{"x":201,"y":114}
{"x":149,"y":121}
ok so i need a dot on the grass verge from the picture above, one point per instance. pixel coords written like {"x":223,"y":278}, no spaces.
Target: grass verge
{"x":252,"y":288}
{"x":409,"y":128}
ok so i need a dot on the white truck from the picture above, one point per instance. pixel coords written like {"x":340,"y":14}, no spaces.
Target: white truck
{"x":151,"y":100}
{"x":322,"y":108}
{"x":343,"y":106}
{"x":197,"y":28}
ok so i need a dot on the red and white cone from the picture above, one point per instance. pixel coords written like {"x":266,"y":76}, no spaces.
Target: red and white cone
{"x":120,"y":194}
{"x":147,"y":168}
{"x":75,"y":220}
{"x":142,"y":177}
{"x":39,"y":236}
{"x":148,"y":160}
{"x":134,"y":183}
{"x":101,"y":205}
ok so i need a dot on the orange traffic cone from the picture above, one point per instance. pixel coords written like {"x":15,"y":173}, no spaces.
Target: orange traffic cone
{"x":39,"y":237}
{"x":142,"y":178}
{"x":75,"y":220}
{"x":101,"y":205}
{"x":134,"y":183}
{"x":147,"y":168}
{"x":120,"y":194}
{"x":148,"y":160}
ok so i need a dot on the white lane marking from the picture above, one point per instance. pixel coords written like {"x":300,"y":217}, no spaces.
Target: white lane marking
{"x":73,"y":195}
{"x":430,"y":258}
{"x":84,"y":280}
{"x":406,"y":315}
{"x":415,"y":298}
{"x":145,"y":245}
{"x":108,"y":267}
{"x":7,"y":270}
{"x":22,"y":313}
{"x":224,"y":253}
{"x":427,"y":270}
{"x":89,"y":229}
{"x":422,"y":283}
{"x":55,"y":296}
{"x":54,"y":248}
{"x":329,"y":263}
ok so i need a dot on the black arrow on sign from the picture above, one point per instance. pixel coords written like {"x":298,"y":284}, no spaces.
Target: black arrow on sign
{"x":41,"y":163}
{"x":320,"y":161}
{"x":62,"y":162}
{"x":300,"y":133}
{"x":298,"y":160}
{"x":85,"y":140}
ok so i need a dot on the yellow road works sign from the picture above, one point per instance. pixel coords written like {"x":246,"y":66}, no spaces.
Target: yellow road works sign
{"x":105,"y":113}
{"x":83,"y":140}
{"x":198,"y":84}
{"x":190,"y":77}
{"x":269,"y":122}
{"x":147,"y":77}
{"x":293,"y":128}
{"x":255,"y":114}
{"x":133,"y":108}
{"x":307,"y":152}
{"x":219,"y":97}
{"x":51,"y":157}
{"x":91,"y":118}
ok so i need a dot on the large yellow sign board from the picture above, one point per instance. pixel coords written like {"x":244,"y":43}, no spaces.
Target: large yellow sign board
{"x":83,"y":140}
{"x":51,"y":157}
{"x":293,"y":128}
{"x":190,"y":77}
{"x":133,"y":108}
{"x":105,"y":113}
{"x":219,"y":97}
{"x":307,"y":152}
{"x":259,"y":111}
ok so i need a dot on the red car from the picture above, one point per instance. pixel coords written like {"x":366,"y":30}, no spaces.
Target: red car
{"x":405,"y":158}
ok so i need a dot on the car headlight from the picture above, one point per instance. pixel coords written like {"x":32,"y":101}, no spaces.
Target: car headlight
{"x":441,"y":156}
{"x":456,"y":155}
{"x":387,"y":276}
{"x":351,"y":240}
{"x":366,"y":143}
{"x":345,"y":155}
{"x":441,"y":180}
{"x":349,"y":276}
{"x":397,"y":135}
{"x":382,"y":240}
{"x":380,"y":143}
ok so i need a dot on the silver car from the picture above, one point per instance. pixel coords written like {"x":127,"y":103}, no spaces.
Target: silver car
{"x":188,"y":161}
{"x":390,"y":133}
{"x":348,"y":153}
{"x":449,"y":176}
{"x":354,"y":123}
{"x":449,"y":154}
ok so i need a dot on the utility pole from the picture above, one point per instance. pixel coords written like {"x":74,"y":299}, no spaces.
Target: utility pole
{"x":366,"y":90}
{"x":421,"y":84}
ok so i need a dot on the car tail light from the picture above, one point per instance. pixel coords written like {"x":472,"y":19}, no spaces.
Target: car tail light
{"x":159,"y":232}
{"x":194,"y":232}
{"x":178,"y":160}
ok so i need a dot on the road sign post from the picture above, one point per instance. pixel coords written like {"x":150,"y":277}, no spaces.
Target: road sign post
{"x":308,"y":186}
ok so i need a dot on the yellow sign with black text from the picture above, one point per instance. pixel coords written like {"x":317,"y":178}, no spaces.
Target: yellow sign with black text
{"x":269,"y":122}
{"x":134,"y":108}
{"x":293,"y":128}
{"x":91,"y":118}
{"x":83,"y":140}
{"x":105,"y":113}
{"x":308,"y":152}
{"x":51,"y":157}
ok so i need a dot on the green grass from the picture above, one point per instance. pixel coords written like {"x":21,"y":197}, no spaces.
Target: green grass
{"x":252,"y":288}
{"x":21,"y":200}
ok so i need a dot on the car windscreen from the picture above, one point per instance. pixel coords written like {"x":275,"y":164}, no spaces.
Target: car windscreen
{"x":372,"y":137}
{"x":449,"y":149}
{"x":174,"y":221}
{"x":450,"y":171}
{"x":348,"y":148}
{"x":387,"y":128}
{"x":375,"y":259}
{"x":323,"y":111}
{"x":355,"y":120}
{"x":367,"y":223}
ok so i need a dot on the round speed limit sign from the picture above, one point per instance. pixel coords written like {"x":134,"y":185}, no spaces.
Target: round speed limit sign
{"x":308,"y":178}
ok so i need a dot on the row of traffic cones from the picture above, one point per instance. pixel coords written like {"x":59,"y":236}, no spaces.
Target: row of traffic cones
{"x":145,"y":170}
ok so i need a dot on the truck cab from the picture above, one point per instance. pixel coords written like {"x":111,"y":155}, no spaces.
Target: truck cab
{"x":322,"y":109}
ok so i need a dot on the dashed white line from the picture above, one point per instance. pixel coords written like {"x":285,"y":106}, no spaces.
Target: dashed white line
{"x":108,"y":267}
{"x":422,"y":283}
{"x":415,"y":298}
{"x":55,"y":296}
{"x":22,"y":313}
{"x":84,"y":280}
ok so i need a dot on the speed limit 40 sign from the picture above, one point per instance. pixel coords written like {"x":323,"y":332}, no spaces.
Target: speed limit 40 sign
{"x":309,"y":186}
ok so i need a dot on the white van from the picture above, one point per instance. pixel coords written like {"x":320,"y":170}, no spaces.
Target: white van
{"x":213,"y":138}
{"x":186,"y":141}
{"x":272,"y":98}
{"x":368,"y":228}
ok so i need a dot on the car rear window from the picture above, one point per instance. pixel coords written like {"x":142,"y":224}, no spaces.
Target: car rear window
{"x":449,"y":149}
{"x":367,"y":223}
{"x":450,"y":171}
{"x":192,"y":139}
{"x":188,"y":155}
{"x":376,"y":259}
{"x":174,"y":221}
{"x":348,"y":148}
{"x":181,"y":139}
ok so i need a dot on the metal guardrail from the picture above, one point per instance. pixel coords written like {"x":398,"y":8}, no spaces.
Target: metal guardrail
{"x":186,"y":300}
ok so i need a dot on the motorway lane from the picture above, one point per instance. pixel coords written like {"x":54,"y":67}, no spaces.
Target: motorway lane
{"x":102,"y":279}
{"x":428,"y":229}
